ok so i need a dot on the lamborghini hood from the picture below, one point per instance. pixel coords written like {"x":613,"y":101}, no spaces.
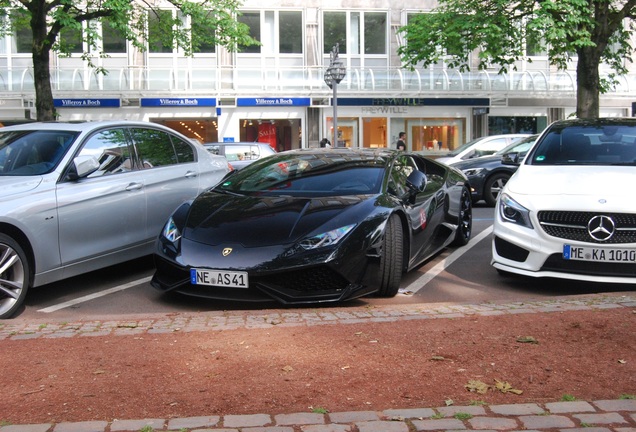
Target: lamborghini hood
{"x":255,"y":221}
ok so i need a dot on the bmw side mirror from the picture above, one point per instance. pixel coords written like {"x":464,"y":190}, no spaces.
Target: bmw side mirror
{"x":82,"y":166}
{"x":416,"y":181}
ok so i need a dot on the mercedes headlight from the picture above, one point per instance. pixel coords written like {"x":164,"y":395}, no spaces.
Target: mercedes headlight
{"x":513,"y":212}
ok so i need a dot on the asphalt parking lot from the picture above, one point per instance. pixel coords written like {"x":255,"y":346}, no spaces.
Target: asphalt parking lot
{"x":455,"y":276}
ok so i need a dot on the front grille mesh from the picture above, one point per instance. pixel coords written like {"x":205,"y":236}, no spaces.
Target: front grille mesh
{"x":572,"y":225}
{"x":315,"y":279}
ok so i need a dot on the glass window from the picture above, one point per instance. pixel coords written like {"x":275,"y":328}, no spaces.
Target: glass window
{"x":113,"y":39}
{"x":23,"y":37}
{"x":335,"y":31}
{"x":202,"y":37}
{"x":160,"y":32}
{"x":290,"y":32}
{"x":185,"y":152}
{"x":111,"y":149}
{"x":375,"y":33}
{"x":253,"y":21}
{"x":154,"y":147}
{"x":71,"y":40}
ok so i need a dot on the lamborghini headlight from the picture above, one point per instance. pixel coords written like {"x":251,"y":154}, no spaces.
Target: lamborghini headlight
{"x":170,"y":231}
{"x":328,"y":238}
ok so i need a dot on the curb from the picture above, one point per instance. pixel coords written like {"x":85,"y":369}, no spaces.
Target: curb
{"x":576,"y":416}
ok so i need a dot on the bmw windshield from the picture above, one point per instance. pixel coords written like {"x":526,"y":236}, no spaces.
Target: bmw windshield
{"x":32,"y":152}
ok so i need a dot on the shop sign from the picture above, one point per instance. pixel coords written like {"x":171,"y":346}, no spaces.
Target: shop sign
{"x":177,"y":102}
{"x":282,"y":101}
{"x":86,"y":103}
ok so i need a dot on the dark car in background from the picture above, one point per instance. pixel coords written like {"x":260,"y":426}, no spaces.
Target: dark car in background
{"x":488,"y":174}
{"x":240,"y":154}
{"x":313,"y":226}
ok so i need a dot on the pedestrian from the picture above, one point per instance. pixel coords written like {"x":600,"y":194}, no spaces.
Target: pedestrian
{"x":325,"y":143}
{"x":401,"y":142}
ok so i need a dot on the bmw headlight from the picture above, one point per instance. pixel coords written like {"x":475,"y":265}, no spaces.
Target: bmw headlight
{"x":513,"y":212}
{"x":471,"y":172}
{"x":328,"y":238}
{"x":170,"y":231}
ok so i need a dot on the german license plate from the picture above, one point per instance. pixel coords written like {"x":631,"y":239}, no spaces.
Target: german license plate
{"x":221,"y":278}
{"x":594,"y":254}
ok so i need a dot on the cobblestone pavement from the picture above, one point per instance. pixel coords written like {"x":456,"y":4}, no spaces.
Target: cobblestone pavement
{"x":583,"y":416}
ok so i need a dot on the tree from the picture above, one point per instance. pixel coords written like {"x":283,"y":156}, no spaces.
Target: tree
{"x":48,"y":19}
{"x":499,"y":31}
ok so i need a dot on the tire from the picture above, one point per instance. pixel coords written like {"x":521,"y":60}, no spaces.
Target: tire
{"x":493,"y":186}
{"x":465,"y":219}
{"x":391,"y":259}
{"x":15,"y":277}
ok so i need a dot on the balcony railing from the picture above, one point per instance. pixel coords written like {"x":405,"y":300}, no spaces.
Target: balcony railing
{"x":135,"y":81}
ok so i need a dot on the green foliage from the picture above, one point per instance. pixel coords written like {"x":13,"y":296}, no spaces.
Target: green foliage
{"x":214,"y":23}
{"x":482,"y":34}
{"x":625,"y":396}
{"x":568,"y":398}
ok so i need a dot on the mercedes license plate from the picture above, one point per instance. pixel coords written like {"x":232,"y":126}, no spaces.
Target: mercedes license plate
{"x":221,"y":278}
{"x":594,"y":254}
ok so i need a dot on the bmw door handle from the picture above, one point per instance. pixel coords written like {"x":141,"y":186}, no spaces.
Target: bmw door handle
{"x":134,"y":186}
{"x":191,"y":174}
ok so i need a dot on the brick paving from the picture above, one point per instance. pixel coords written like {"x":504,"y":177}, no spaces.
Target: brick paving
{"x":574,"y":416}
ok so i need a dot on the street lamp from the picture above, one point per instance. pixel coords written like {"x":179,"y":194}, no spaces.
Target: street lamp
{"x":333,"y":75}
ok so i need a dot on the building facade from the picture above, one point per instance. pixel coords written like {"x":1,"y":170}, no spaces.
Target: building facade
{"x":276,"y":92}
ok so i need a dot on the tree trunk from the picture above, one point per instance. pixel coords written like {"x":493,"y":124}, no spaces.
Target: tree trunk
{"x":588,"y":84}
{"x":43,"y":93}
{"x":41,"y":54}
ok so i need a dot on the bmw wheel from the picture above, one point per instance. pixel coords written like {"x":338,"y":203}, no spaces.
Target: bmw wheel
{"x":14,"y":276}
{"x":493,"y":186}
{"x":465,"y":219}
{"x":391,"y":259}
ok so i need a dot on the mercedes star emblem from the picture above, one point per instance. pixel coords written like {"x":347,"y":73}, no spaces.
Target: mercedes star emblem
{"x":601,"y":228}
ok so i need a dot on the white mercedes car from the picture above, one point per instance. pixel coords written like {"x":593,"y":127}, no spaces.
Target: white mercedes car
{"x":569,"y":211}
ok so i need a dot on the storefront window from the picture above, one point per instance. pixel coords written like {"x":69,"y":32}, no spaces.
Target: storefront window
{"x":505,"y":125}
{"x":281,"y":135}
{"x":429,"y":134}
{"x":374,"y":132}
{"x":203,"y":131}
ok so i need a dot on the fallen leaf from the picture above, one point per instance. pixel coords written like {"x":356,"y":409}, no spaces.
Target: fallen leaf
{"x":621,"y":361}
{"x":527,"y":339}
{"x":345,"y":367}
{"x":449,"y":402}
{"x":477,"y":386}
{"x":288,"y":368}
{"x":437,"y":358}
{"x":505,"y":387}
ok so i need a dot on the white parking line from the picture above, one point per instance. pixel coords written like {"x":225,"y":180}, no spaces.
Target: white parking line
{"x":412,"y":288}
{"x":420,"y":282}
{"x":95,"y":295}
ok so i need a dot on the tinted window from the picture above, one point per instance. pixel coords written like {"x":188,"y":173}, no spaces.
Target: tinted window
{"x":111,"y":149}
{"x":154,"y":147}
{"x":185,"y":152}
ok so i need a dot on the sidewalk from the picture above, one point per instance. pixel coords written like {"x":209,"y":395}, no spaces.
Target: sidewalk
{"x":583,"y":416}
{"x":577,"y":416}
